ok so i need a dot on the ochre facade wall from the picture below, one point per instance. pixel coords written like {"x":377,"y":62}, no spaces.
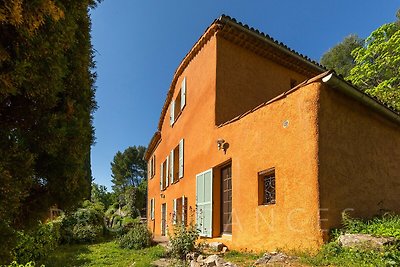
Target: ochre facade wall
{"x":194,"y":126}
{"x":359,"y":155}
{"x":329,"y":152}
{"x":257,"y":142}
{"x":250,"y":78}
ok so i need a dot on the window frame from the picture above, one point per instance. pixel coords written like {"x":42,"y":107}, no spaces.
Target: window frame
{"x":178,"y":104}
{"x":262,"y":176}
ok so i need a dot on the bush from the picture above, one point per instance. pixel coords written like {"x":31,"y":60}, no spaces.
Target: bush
{"x":84,"y":225}
{"x":129,"y":222}
{"x":183,"y":240}
{"x":87,"y":233}
{"x":138,"y":237}
{"x":336,"y":255}
{"x":37,"y":244}
{"x":386,"y":225}
{"x":16,"y":264}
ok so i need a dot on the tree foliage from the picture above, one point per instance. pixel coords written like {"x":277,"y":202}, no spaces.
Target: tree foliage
{"x":99,"y":194}
{"x":128,"y":168}
{"x":129,"y":176}
{"x":339,"y":58}
{"x":377,"y":68}
{"x":46,"y":105}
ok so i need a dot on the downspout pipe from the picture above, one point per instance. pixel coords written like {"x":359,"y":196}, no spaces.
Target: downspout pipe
{"x":339,"y":84}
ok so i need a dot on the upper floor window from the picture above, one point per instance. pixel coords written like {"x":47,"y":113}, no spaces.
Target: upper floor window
{"x":164,"y":174}
{"x":171,"y":169}
{"x":178,"y":103}
{"x":152,"y":167}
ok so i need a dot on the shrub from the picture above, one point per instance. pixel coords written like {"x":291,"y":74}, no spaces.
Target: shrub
{"x":336,"y":255}
{"x":129,"y":222}
{"x":183,"y":240}
{"x":386,"y":225}
{"x":16,"y":264}
{"x":37,"y":244}
{"x":84,"y":225}
{"x":86,"y":233}
{"x":138,"y":237}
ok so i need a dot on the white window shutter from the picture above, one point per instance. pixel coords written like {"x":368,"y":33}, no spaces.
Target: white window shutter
{"x":172,"y":118}
{"x":181,"y":158}
{"x":167,"y":173}
{"x":162,"y":176}
{"x":175,"y":211}
{"x":171,"y":163}
{"x":183,"y":93}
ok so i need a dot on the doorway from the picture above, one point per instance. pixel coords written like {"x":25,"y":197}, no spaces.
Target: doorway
{"x":226,"y":203}
{"x":164,"y":219}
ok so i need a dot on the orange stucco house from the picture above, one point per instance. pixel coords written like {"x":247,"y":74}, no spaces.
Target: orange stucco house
{"x":263,"y":148}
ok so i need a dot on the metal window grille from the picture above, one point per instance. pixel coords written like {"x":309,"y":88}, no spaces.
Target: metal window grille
{"x":269,"y":189}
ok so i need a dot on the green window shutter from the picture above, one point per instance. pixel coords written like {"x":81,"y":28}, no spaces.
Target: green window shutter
{"x":181,"y":159}
{"x":172,"y":110}
{"x":204,"y":203}
{"x":161,"y":176}
{"x":152,"y":209}
{"x":171,"y":163}
{"x":183,"y":93}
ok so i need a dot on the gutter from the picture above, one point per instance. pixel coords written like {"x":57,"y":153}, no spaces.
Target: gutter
{"x":346,"y":88}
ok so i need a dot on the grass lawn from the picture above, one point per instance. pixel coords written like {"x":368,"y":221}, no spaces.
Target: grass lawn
{"x":102,"y":254}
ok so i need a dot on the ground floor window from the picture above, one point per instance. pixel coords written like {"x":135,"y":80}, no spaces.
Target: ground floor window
{"x":180,"y":210}
{"x":266,"y":187}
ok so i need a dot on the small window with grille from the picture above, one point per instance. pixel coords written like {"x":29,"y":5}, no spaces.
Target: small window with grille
{"x":266,"y":187}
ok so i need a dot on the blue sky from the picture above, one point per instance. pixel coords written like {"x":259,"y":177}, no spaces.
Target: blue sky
{"x":139,"y":44}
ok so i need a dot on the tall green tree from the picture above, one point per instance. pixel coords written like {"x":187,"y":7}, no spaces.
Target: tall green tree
{"x":377,"y":68}
{"x":46,"y":105}
{"x":128,"y":168}
{"x":100,"y":194}
{"x":339,"y":58}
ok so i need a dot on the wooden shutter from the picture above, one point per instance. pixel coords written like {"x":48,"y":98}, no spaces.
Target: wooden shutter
{"x":167,"y":172}
{"x":171,"y":163}
{"x":204,"y":203}
{"x":183,"y":93}
{"x":162,"y":176}
{"x":175,"y":211}
{"x":172,"y":110}
{"x":181,"y":159}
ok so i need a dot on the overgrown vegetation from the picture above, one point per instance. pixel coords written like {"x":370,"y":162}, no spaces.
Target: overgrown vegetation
{"x":183,"y":240}
{"x":334,"y":254}
{"x":84,"y":225}
{"x":138,"y":237}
